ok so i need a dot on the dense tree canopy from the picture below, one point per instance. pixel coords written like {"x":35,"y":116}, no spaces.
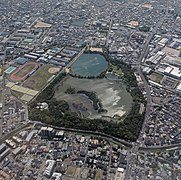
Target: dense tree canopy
{"x":59,"y":113}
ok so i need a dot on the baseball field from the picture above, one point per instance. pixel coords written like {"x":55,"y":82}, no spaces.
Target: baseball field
{"x":40,"y":78}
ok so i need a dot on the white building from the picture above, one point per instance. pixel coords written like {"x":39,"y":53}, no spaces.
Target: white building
{"x":50,"y":165}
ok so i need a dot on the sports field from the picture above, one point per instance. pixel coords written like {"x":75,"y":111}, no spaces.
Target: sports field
{"x":24,"y":71}
{"x":10,"y":70}
{"x":38,"y":80}
{"x":156,"y":77}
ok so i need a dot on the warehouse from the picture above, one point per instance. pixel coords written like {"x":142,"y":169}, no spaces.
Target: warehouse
{"x":173,"y":71}
{"x":31,"y":56}
{"x":4,"y":154}
{"x":21,"y":60}
{"x":2,"y":147}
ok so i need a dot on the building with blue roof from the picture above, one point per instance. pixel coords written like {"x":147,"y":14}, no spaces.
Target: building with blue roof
{"x":21,"y":60}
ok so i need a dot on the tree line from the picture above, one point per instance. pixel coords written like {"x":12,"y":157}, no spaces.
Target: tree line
{"x":59,"y":113}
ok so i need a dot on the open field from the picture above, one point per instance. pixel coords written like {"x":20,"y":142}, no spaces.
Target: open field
{"x":71,"y":171}
{"x":77,"y":173}
{"x":23,"y":93}
{"x":38,"y":80}
{"x":93,"y":49}
{"x":156,"y":77}
{"x":17,"y":94}
{"x":23,"y":72}
{"x":24,"y":90}
{"x":99,"y":175}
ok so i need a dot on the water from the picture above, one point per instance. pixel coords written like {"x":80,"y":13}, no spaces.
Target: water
{"x":112,"y":94}
{"x":89,"y":65}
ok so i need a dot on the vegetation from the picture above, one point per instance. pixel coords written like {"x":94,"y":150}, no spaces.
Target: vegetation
{"x":39,"y":79}
{"x":144,"y":28}
{"x":59,"y":113}
{"x":115,"y":69}
{"x":93,"y":97}
{"x":128,"y":76}
{"x":49,"y":91}
{"x":97,"y":105}
{"x":100,"y":76}
{"x":70,"y":90}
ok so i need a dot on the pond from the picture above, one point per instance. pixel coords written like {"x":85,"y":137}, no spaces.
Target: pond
{"x":89,"y":65}
{"x":112,"y":94}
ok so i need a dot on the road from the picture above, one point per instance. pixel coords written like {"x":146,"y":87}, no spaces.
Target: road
{"x":94,"y":133}
{"x":108,"y":34}
{"x":15,"y":131}
{"x":132,"y":156}
{"x":68,"y":65}
{"x":80,"y":53}
{"x":140,"y":60}
{"x":3,"y":93}
{"x":164,"y":147}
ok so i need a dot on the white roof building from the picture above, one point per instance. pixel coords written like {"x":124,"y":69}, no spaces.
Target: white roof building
{"x":173,"y":71}
{"x":179,"y":87}
{"x":50,"y":167}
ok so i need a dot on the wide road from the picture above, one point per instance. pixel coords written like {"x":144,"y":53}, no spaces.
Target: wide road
{"x":67,"y":66}
{"x":132,"y":156}
{"x":3,"y":93}
{"x":15,"y":131}
{"x":108,"y":33}
{"x":164,"y":147}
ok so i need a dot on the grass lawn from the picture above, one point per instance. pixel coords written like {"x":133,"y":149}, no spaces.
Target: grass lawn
{"x":26,"y":69}
{"x":156,"y":77}
{"x":38,"y":80}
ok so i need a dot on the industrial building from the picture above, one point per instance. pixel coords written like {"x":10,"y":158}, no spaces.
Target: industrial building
{"x":33,"y":57}
{"x":10,"y":143}
{"x":30,"y":135}
{"x":156,"y":58}
{"x":4,"y":154}
{"x":17,"y":151}
{"x":21,"y":60}
{"x":173,"y":71}
{"x":2,"y":147}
